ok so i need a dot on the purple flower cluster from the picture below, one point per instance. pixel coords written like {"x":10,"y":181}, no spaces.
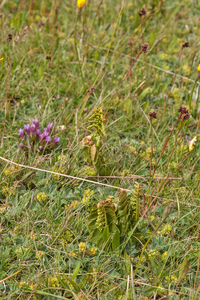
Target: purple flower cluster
{"x":36,"y":137}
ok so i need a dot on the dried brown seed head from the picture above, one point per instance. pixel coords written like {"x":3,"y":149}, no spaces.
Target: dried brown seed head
{"x":145,"y":47}
{"x":153,"y":115}
{"x":183,"y":110}
{"x":9,"y":37}
{"x":186,"y":45}
{"x":90,"y":90}
{"x":142,"y":12}
{"x":186,"y":116}
{"x":130,"y":43}
{"x":48,"y":57}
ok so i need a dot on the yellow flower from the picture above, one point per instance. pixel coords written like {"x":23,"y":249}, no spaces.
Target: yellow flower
{"x":198,"y":69}
{"x":80,"y":3}
{"x":152,"y":253}
{"x":164,"y":256}
{"x":73,"y":253}
{"x":31,"y":286}
{"x":173,"y":278}
{"x":1,"y":58}
{"x":53,"y":281}
{"x":86,"y":196}
{"x":167,"y":229}
{"x":81,"y":247}
{"x":22,"y":283}
{"x":62,"y":157}
{"x":18,"y":251}
{"x":94,"y":250}
{"x":39,"y":254}
{"x":152,"y":218}
{"x":72,"y":205}
{"x":42,"y":196}
{"x":2,"y":210}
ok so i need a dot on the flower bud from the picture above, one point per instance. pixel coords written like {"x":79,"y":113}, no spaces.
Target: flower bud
{"x":27,"y":128}
{"x":56,"y":140}
{"x":21,"y":133}
{"x":80,"y":3}
{"x":48,"y":139}
{"x":49,"y":127}
{"x":33,"y":129}
{"x":36,"y":123}
{"x":40,"y":148}
{"x":38,"y":132}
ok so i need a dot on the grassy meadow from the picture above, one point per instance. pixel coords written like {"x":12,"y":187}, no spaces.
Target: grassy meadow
{"x":99,"y":155}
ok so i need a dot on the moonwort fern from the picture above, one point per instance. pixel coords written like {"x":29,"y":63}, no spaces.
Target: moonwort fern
{"x":103,"y":222}
{"x":114,"y":222}
{"x":91,"y":144}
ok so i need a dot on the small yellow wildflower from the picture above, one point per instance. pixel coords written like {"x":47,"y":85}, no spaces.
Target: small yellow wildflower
{"x":81,"y":3}
{"x":166,"y":67}
{"x":9,"y":170}
{"x":86,"y":196}
{"x":1,"y":58}
{"x":164,"y":256}
{"x":167,"y":229}
{"x":175,"y":92}
{"x":31,"y":286}
{"x":173,"y":278}
{"x":198,"y":69}
{"x":94,"y":250}
{"x":53,"y":281}
{"x":153,"y":253}
{"x":72,"y":205}
{"x":152,"y":218}
{"x":22,"y":283}
{"x":18,"y":251}
{"x":88,"y":171}
{"x":73,"y":253}
{"x":62,"y":158}
{"x":42,"y":196}
{"x":142,"y":154}
{"x":81,"y":247}
{"x":132,"y":150}
{"x":2,"y":210}
{"x":39,"y":254}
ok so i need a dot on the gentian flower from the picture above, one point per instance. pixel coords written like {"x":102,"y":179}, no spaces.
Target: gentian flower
{"x":36,"y":123}
{"x":40,"y":148}
{"x":38,"y":132}
{"x":48,"y":139}
{"x":49,"y":127}
{"x":27,"y":128}
{"x":21,"y":133}
{"x":56,"y":140}
{"x":33,"y":129}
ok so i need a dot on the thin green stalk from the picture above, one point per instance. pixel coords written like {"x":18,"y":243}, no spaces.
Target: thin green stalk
{"x":75,"y":44}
